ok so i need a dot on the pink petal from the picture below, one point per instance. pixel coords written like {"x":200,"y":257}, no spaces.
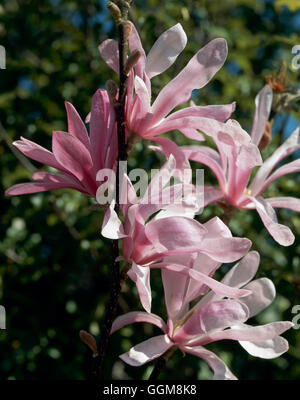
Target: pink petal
{"x":35,"y":187}
{"x":175,"y":235}
{"x":109,"y":51}
{"x":289,"y":146}
{"x":135,"y":44}
{"x":220,"y":369}
{"x":165,"y":50}
{"x":37,"y":153}
{"x":76,"y":126}
{"x":102,"y":129}
{"x":238,"y":276}
{"x":220,"y":112}
{"x":262,"y":295}
{"x":225,"y":249}
{"x":214,"y":285}
{"x":141,"y":277}
{"x":249,"y":333}
{"x":217,"y":315}
{"x":168,"y":148}
{"x":147,"y":351}
{"x":289,"y":168}
{"x":73,"y":155}
{"x":285,"y":202}
{"x":263,"y":104}
{"x":268,"y":349}
{"x":138,"y":316}
{"x":112,"y":227}
{"x":281,"y":233}
{"x":210,"y":158}
{"x":198,"y":72}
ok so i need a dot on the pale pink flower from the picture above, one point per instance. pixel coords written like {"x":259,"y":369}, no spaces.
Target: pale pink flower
{"x":149,"y":120}
{"x":234,"y":162}
{"x":212,"y":319}
{"x":75,"y":154}
{"x":172,"y":231}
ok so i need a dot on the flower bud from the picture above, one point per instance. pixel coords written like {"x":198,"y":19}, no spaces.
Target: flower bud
{"x":89,"y":340}
{"x":115,"y":12}
{"x":267,"y":137}
{"x":131,"y":61}
{"x":112,"y":90}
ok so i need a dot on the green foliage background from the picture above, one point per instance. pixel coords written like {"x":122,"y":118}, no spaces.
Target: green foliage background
{"x":54,"y":266}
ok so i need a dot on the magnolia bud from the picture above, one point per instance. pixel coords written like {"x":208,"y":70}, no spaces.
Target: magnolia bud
{"x":115,"y":12}
{"x":267,"y":137}
{"x":112,"y":90}
{"x":131,"y":61}
{"x":89,"y":340}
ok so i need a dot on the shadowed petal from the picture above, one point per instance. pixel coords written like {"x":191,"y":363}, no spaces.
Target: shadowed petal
{"x":220,"y":369}
{"x":138,"y":316}
{"x":165,"y":50}
{"x":147,"y":351}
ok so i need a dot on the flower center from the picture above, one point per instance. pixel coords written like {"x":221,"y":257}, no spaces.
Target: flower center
{"x":247,"y":192}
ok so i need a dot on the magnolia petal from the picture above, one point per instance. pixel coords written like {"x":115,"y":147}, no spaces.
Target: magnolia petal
{"x":220,"y":369}
{"x":135,"y":44}
{"x":165,"y":50}
{"x":175,"y":235}
{"x":197,"y":73}
{"x":263,"y":104}
{"x":289,"y":146}
{"x":281,"y":233}
{"x":289,"y":168}
{"x":262,"y":295}
{"x":268,"y":349}
{"x":218,"y":112}
{"x":147,"y":351}
{"x":109,"y":51}
{"x":102,"y":130}
{"x":37,"y":153}
{"x":238,"y":276}
{"x":209,"y":157}
{"x":247,"y":333}
{"x":72,"y":154}
{"x":138,"y":316}
{"x":214,"y":285}
{"x":141,"y":277}
{"x":76,"y":126}
{"x":183,"y":168}
{"x":291,"y":203}
{"x":213,"y":316}
{"x":35,"y":187}
{"x":112,"y":227}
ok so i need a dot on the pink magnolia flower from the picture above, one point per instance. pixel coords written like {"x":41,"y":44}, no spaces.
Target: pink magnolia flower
{"x":212,"y":319}
{"x":233,"y":165}
{"x":148,"y":239}
{"x":149,"y":120}
{"x":75,"y":154}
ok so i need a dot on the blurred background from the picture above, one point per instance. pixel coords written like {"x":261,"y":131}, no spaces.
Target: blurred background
{"x":54,"y":266}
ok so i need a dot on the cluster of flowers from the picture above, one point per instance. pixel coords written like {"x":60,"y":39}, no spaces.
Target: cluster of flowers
{"x":165,"y":235}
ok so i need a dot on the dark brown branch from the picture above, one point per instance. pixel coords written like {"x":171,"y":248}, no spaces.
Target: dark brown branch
{"x":116,"y":277}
